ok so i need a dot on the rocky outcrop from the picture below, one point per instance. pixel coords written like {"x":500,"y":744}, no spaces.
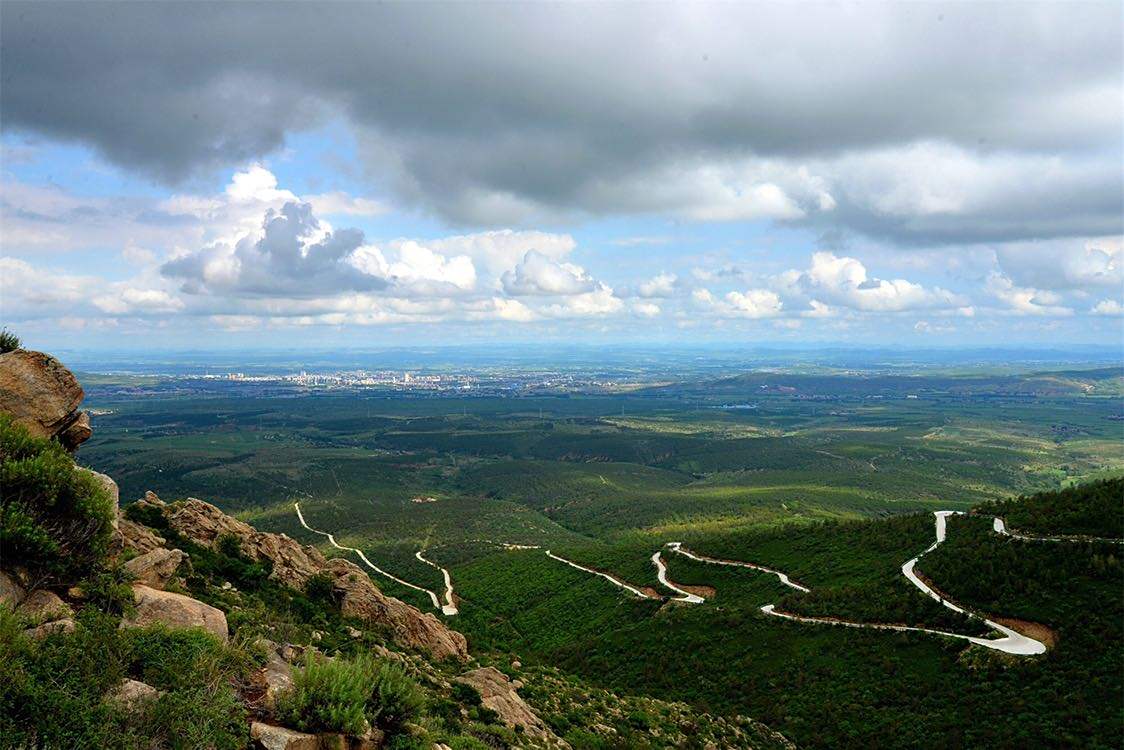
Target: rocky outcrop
{"x":10,"y":590}
{"x":175,"y":611}
{"x":43,"y":396}
{"x":359,"y":597}
{"x":498,"y":694}
{"x":65,"y":625}
{"x":293,"y":564}
{"x":157,"y":567}
{"x":275,"y":677}
{"x":204,"y":524}
{"x":134,"y":536}
{"x":42,"y":605}
{"x":131,"y":694}
{"x":270,"y":737}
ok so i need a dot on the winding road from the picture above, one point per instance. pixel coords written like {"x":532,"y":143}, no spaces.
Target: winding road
{"x":449,"y":609}
{"x":1011,"y":641}
{"x":1007,"y":640}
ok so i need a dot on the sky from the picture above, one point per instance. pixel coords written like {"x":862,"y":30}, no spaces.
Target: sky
{"x":344,"y":175}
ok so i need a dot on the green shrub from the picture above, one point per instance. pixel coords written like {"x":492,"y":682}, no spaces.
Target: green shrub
{"x":342,"y":695}
{"x":9,"y":341}
{"x":395,"y":700}
{"x":320,"y":588}
{"x":55,"y":518}
{"x":110,"y":590}
{"x":53,"y":692}
{"x":328,"y":695}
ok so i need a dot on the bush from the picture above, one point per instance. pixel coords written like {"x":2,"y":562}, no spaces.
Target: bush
{"x":320,"y":588}
{"x":55,"y":518}
{"x":328,"y":695}
{"x":341,"y":695}
{"x":109,"y":590}
{"x":53,"y":693}
{"x":9,"y":341}
{"x":395,"y":700}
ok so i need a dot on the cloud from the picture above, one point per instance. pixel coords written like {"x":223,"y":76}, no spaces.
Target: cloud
{"x":754,"y":303}
{"x":1097,"y":262}
{"x":924,"y":124}
{"x":646,"y":309}
{"x":1109,"y":307}
{"x":659,"y":286}
{"x":339,"y":202}
{"x":1025,"y":300}
{"x":130,"y":300}
{"x":537,"y":274}
{"x":294,"y":256}
{"x":599,"y":302}
{"x":500,"y":250}
{"x":844,"y":281}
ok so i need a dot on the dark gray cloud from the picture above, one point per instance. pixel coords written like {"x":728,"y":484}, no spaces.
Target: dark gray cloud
{"x":294,"y":257}
{"x":517,"y":113}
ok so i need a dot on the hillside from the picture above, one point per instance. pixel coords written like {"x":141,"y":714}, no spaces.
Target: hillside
{"x":176,"y":625}
{"x":664,"y":579}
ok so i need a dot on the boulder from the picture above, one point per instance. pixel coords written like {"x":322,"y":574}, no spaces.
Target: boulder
{"x":65,"y":625}
{"x":10,"y":590}
{"x":271,"y":737}
{"x":43,"y":396}
{"x":360,"y":598}
{"x":157,"y":567}
{"x":175,"y":611}
{"x":131,"y":693}
{"x":42,"y":605}
{"x":276,"y":677}
{"x":372,"y":739}
{"x":137,"y":537}
{"x":498,"y":694}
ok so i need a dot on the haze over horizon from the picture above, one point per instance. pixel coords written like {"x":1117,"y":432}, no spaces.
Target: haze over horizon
{"x":184,"y":176}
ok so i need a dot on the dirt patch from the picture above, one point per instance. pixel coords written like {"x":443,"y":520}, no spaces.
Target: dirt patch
{"x":706,"y":592}
{"x":1035,"y":630}
{"x":650,"y":592}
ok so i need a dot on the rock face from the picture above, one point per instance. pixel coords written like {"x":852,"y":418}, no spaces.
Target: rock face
{"x":175,"y":611}
{"x":157,"y":567}
{"x":10,"y":590}
{"x":65,"y":625}
{"x":498,"y":694}
{"x":359,"y":597}
{"x":294,"y":564}
{"x":42,"y":605}
{"x":275,"y":677}
{"x":203,"y":524}
{"x":136,"y":537}
{"x":43,"y":396}
{"x":270,"y":737}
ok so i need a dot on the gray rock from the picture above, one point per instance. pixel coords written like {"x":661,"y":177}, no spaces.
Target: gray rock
{"x":132,"y":693}
{"x":42,"y":606}
{"x":156,"y":567}
{"x":271,"y":737}
{"x":175,"y":611}
{"x":43,"y":396}
{"x":58,"y":626}
{"x":10,"y":590}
